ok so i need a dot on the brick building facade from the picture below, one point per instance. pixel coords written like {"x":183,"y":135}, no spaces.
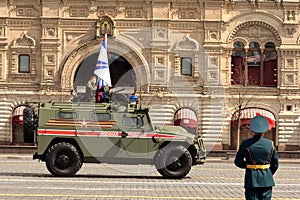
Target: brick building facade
{"x":199,"y":64}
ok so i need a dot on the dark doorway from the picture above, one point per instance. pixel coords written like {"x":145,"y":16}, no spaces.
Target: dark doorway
{"x":245,"y":116}
{"x":187,"y":119}
{"x":17,"y":125}
{"x":121,"y":72}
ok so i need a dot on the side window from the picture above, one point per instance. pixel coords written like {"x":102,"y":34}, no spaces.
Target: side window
{"x":66,"y":115}
{"x":101,"y":116}
{"x":24,"y":63}
{"x":186,"y":66}
{"x":134,"y":122}
{"x":129,"y":121}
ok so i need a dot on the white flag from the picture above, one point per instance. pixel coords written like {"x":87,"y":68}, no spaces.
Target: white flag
{"x":102,"y":66}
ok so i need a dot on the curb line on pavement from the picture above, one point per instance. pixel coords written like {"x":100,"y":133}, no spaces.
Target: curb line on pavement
{"x":208,"y":159}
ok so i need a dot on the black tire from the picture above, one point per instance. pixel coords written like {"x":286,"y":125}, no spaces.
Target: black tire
{"x":173,"y":161}
{"x":29,"y":125}
{"x":63,"y":159}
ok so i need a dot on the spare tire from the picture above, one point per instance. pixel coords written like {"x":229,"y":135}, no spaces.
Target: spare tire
{"x":29,"y":125}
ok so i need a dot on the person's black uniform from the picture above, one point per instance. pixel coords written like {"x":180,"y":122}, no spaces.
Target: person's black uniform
{"x":259,"y":157}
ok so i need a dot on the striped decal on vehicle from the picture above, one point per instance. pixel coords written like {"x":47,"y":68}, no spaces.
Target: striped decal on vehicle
{"x":61,"y":132}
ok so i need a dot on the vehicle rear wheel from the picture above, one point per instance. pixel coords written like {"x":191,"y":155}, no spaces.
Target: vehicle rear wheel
{"x":173,"y":161}
{"x":63,"y":159}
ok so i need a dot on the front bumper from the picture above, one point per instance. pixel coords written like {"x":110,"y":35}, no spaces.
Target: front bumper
{"x":200,"y":156}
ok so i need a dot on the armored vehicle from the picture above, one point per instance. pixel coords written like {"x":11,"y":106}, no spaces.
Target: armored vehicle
{"x":70,"y":134}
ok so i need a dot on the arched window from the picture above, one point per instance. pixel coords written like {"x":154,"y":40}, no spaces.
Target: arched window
{"x":237,"y":64}
{"x":257,"y":68}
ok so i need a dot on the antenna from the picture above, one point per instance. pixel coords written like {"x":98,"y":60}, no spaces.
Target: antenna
{"x":140,"y":97}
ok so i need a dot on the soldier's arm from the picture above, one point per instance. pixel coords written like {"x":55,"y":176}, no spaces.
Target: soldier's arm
{"x":274,"y":161}
{"x":239,"y":160}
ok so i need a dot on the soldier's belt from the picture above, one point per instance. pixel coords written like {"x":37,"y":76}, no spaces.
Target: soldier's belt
{"x":248,"y":166}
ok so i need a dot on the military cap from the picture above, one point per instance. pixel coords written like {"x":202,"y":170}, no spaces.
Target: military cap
{"x":259,"y":124}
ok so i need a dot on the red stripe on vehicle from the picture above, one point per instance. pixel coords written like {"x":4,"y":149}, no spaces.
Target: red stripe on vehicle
{"x":60,"y":132}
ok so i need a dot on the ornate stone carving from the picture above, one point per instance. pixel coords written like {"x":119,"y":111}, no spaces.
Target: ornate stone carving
{"x":105,"y":26}
{"x":243,"y":29}
{"x":290,"y":15}
{"x":50,"y":32}
{"x":188,"y":13}
{"x":289,"y":63}
{"x":254,"y":31}
{"x":50,"y":59}
{"x":290,"y":30}
{"x":78,"y":11}
{"x":187,"y":43}
{"x":23,"y":45}
{"x":213,"y":35}
{"x":214,"y":61}
{"x":24,"y":10}
{"x":134,"y":11}
{"x":160,"y":76}
{"x":107,"y":9}
{"x":289,"y":79}
{"x":2,"y":31}
{"x":25,"y":40}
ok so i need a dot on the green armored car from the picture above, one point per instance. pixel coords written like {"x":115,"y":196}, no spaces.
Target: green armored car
{"x":70,"y":134}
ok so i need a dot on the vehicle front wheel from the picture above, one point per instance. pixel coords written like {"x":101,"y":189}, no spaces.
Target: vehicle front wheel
{"x":63,"y":159}
{"x":173,"y":161}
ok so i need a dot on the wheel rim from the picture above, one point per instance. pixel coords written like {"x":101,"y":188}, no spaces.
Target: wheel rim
{"x":175,"y":163}
{"x":62,"y":161}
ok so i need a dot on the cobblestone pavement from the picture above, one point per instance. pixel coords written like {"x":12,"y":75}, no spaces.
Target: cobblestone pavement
{"x":28,"y":179}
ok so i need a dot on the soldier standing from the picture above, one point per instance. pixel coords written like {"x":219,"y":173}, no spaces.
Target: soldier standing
{"x":259,"y":157}
{"x":91,"y":86}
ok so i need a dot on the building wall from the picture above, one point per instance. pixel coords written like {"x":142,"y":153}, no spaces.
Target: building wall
{"x":152,"y":36}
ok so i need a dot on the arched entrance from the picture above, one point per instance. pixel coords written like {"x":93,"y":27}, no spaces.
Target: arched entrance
{"x":187,"y":119}
{"x":245,"y":116}
{"x":121,"y":72}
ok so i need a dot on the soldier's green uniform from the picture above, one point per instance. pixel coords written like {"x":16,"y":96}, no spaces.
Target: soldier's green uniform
{"x":259,"y":157}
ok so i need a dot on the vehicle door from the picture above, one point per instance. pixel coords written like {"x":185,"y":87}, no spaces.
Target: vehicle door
{"x":135,"y":135}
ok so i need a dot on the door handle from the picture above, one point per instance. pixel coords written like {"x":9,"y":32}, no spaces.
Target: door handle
{"x":124,"y":134}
